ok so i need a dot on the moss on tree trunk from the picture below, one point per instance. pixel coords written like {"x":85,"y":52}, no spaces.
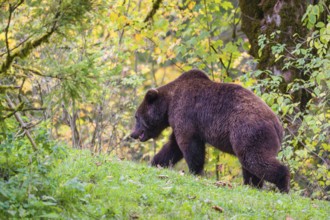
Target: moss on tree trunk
{"x":266,"y":17}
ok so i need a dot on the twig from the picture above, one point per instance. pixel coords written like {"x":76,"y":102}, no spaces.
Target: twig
{"x":18,"y":45}
{"x":21,"y":122}
{"x":221,"y":61}
{"x":11,"y":11}
{"x":209,"y":29}
{"x":29,"y":45}
{"x":229,"y":63}
{"x":32,"y":70}
{"x":153,"y":11}
{"x":33,"y":109}
{"x":6,"y":31}
{"x":234,"y":34}
{"x":309,"y":150}
{"x":31,"y":125}
{"x":8,"y":87}
{"x":326,"y":7}
{"x":179,"y":67}
{"x":38,"y":72}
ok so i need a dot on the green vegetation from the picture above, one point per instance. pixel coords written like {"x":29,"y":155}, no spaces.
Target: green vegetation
{"x":78,"y":185}
{"x":73,"y":71}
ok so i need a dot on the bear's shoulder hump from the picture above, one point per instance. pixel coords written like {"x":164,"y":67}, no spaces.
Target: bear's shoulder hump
{"x":194,"y":74}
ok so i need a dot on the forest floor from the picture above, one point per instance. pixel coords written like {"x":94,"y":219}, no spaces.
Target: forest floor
{"x":73,"y":184}
{"x":96,"y":187}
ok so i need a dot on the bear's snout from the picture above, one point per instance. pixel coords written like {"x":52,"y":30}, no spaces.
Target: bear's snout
{"x":139,"y":134}
{"x":134,"y":135}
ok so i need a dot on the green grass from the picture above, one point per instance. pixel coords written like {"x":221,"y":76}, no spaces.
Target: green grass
{"x":73,"y":184}
{"x":86,"y":187}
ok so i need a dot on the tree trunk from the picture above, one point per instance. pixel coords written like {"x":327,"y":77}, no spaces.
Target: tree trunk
{"x":267,"y":16}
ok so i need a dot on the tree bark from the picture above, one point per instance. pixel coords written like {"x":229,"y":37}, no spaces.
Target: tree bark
{"x":267,"y":16}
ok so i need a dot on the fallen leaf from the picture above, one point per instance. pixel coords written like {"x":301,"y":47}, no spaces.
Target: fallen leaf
{"x":163,"y":177}
{"x":134,"y":216}
{"x":221,"y":183}
{"x":191,"y":197}
{"x":98,"y":163}
{"x":315,"y":206}
{"x":288,"y":218}
{"x":217,"y":208}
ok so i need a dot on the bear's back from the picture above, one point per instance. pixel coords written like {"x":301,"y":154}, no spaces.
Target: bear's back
{"x":216,"y":106}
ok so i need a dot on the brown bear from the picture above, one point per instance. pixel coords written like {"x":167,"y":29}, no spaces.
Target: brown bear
{"x":226,"y":116}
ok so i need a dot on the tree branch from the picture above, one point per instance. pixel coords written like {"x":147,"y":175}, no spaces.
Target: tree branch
{"x":13,"y":110}
{"x":23,"y":109}
{"x":29,"y":45}
{"x":153,"y":11}
{"x":30,"y":69}
{"x":22,"y":123}
{"x":18,"y":45}
{"x":8,"y":87}
{"x":39,"y":73}
{"x":7,"y":30}
{"x":11,"y":11}
{"x":221,"y":61}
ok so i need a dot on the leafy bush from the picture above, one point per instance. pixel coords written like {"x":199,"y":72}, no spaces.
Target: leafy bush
{"x":306,"y":146}
{"x":24,"y":185}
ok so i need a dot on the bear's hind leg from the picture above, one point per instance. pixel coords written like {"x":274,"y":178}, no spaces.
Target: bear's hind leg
{"x":256,"y":146}
{"x":169,"y":155}
{"x":269,"y":169}
{"x":250,"y":179}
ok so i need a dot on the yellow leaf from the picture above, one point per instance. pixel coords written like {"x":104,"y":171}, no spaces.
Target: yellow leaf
{"x":11,"y":42}
{"x":170,"y":54}
{"x":113,"y":16}
{"x":138,"y":37}
{"x":191,"y":5}
{"x":27,"y":87}
{"x":36,"y":54}
{"x":157,"y":50}
{"x":2,"y":36}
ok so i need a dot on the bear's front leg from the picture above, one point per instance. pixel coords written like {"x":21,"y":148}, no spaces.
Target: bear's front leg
{"x":169,"y":155}
{"x":193,"y":151}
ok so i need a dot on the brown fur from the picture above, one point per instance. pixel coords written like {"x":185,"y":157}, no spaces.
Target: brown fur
{"x":227,"y":116}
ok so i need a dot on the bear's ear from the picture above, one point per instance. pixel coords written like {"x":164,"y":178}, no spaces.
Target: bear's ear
{"x":152,"y":95}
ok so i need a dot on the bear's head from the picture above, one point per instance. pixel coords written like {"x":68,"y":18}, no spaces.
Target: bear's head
{"x":151,"y":116}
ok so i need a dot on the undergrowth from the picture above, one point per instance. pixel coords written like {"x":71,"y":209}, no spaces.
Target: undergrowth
{"x":73,"y":184}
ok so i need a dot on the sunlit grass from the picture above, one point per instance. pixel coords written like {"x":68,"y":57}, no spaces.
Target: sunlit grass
{"x":99,"y":187}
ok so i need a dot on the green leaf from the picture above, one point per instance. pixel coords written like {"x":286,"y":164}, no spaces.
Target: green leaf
{"x":226,"y":5}
{"x":320,"y":24}
{"x":246,"y":46}
{"x":311,"y":18}
{"x":316,"y":10}
{"x":280,"y":100}
{"x":49,"y":215}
